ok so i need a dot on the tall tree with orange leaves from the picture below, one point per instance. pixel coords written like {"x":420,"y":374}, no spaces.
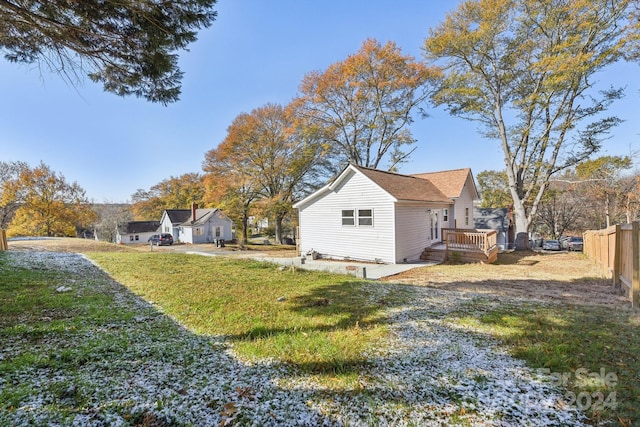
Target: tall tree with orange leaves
{"x":51,"y":206}
{"x":361,"y":107}
{"x":172,"y":193}
{"x":267,"y":157}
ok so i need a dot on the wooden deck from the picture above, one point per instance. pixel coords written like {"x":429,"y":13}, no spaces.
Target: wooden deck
{"x":465,"y":245}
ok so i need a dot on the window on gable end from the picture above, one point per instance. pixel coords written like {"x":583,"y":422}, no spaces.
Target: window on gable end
{"x":365,"y":217}
{"x":348,"y":217}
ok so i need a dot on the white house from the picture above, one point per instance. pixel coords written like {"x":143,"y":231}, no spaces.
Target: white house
{"x":136,"y":232}
{"x":372,"y":215}
{"x":171,"y":221}
{"x":197,"y":225}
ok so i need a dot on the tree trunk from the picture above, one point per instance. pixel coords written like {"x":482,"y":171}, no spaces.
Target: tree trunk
{"x":245,"y":231}
{"x":278,"y":230}
{"x":522,"y":228}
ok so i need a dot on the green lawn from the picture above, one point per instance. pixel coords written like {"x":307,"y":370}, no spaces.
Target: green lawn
{"x":321,"y":323}
{"x":593,"y":351}
{"x":318,"y":324}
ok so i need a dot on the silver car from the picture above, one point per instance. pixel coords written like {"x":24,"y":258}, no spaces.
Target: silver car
{"x":551,"y":245}
{"x":575,"y":244}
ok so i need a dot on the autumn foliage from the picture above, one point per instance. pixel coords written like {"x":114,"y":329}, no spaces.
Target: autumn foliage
{"x":49,"y":205}
{"x":263,"y":166}
{"x":172,"y":193}
{"x":524,"y":71}
{"x":363,"y":105}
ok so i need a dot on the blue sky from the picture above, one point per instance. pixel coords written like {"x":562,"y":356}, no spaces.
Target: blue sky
{"x":256,"y":52}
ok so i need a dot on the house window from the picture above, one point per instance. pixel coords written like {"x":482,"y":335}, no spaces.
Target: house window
{"x":445,"y":216}
{"x":365,"y":217}
{"x":198,"y":231}
{"x":166,"y":229}
{"x":131,"y":238}
{"x":348,"y":217}
{"x":218,"y":233}
{"x":466,"y":216}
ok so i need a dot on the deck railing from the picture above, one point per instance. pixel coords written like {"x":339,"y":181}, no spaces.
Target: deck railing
{"x":470,"y":240}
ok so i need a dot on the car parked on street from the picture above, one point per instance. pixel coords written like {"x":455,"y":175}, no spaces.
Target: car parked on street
{"x":161,"y":239}
{"x":551,"y":245}
{"x":575,"y":244}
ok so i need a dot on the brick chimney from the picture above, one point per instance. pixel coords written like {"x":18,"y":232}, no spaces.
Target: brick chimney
{"x":194,"y":207}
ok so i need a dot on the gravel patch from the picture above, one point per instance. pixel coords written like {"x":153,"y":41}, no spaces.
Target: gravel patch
{"x":151,"y":371}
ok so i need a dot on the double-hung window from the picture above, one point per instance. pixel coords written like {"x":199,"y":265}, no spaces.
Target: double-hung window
{"x":365,"y":217}
{"x":348,"y":217}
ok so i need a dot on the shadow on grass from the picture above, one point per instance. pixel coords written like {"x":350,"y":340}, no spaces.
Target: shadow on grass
{"x":562,"y":338}
{"x":334,"y":301}
{"x":593,"y":350}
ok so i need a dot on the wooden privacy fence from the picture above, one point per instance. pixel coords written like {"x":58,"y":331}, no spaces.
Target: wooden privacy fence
{"x":3,"y":240}
{"x":616,"y":250}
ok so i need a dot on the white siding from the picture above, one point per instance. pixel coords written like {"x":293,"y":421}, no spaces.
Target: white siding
{"x":412,"y":225}
{"x":462,"y":203}
{"x":186,"y":235}
{"x":167,"y":227}
{"x":207,"y":231}
{"x":126,"y":239}
{"x":321,"y":226}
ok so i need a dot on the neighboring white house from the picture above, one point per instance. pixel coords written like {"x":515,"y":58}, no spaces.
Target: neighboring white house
{"x":171,"y":221}
{"x":136,"y":232}
{"x":372,"y":215}
{"x":197,"y":225}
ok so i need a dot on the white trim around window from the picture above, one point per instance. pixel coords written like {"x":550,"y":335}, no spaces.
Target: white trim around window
{"x":348,"y":217}
{"x":365,"y":217}
{"x":357,"y":217}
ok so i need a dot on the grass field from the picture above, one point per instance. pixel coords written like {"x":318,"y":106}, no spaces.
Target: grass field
{"x":320,"y":322}
{"x":319,"y":325}
{"x":593,"y":351}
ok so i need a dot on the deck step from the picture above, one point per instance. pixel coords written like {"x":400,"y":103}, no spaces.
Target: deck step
{"x":433,"y":255}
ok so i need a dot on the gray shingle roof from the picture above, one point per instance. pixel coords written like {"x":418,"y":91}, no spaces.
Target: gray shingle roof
{"x":178,"y":216}
{"x":135,"y":227}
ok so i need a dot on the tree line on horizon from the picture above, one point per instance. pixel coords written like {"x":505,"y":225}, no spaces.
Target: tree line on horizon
{"x":523,"y":70}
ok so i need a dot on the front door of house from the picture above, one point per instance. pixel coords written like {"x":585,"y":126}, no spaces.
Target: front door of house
{"x":434,"y":227}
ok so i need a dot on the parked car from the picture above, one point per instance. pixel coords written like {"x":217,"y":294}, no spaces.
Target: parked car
{"x":551,"y":245}
{"x":161,"y":239}
{"x":575,"y":244}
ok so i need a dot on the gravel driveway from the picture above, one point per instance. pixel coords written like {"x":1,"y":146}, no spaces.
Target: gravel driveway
{"x":428,"y":372}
